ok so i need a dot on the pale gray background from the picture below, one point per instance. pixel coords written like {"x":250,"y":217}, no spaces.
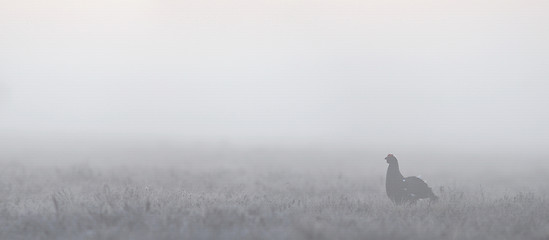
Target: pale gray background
{"x":389,"y":75}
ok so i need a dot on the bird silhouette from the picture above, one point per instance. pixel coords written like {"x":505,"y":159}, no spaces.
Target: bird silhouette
{"x":405,"y":190}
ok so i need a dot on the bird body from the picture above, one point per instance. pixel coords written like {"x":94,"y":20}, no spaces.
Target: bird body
{"x":405,"y":190}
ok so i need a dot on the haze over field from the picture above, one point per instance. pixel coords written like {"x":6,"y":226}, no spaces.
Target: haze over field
{"x":391,"y":74}
{"x":270,"y":119}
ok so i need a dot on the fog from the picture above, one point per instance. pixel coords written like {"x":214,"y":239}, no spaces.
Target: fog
{"x":393,"y":74}
{"x":264,"y":119}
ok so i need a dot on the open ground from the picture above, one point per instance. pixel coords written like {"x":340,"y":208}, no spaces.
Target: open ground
{"x":263,"y":194}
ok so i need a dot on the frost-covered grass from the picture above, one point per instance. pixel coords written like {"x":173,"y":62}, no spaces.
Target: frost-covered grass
{"x":84,"y":202}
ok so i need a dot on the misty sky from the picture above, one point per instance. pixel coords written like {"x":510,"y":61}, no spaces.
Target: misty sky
{"x":455,"y":73}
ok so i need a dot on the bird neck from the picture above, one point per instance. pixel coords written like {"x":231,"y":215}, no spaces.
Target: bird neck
{"x":394,"y":170}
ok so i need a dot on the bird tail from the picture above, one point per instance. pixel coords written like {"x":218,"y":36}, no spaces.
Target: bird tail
{"x":433,"y":197}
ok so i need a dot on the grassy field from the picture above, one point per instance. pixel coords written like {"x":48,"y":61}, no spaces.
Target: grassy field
{"x":260,"y":201}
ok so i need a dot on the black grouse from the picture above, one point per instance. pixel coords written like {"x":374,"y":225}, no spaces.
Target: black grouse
{"x":405,"y":190}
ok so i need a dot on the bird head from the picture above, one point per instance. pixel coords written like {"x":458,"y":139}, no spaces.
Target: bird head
{"x":391,"y":158}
